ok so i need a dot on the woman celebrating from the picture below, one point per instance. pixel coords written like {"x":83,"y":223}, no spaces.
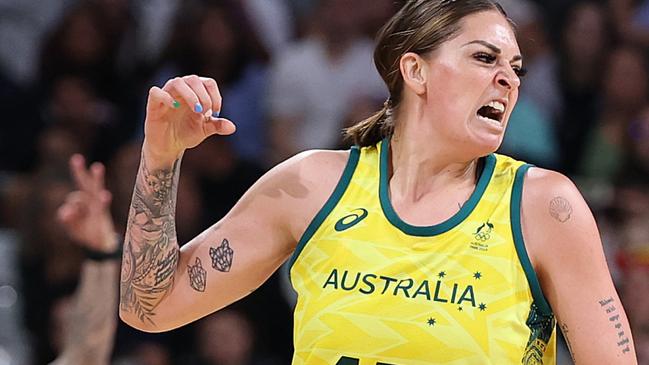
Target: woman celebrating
{"x":417,"y":246}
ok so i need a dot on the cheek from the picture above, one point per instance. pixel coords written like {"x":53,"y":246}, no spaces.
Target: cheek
{"x":455,"y":90}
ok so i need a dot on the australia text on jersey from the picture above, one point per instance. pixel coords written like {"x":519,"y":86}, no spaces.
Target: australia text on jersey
{"x":372,"y":284}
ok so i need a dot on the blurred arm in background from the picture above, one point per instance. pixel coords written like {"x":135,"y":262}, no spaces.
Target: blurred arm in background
{"x":85,"y":215}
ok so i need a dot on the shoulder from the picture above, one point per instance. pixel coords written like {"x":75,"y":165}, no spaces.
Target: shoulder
{"x":314,"y":165}
{"x":542,"y":185}
{"x":555,"y":218}
{"x":302,"y":184}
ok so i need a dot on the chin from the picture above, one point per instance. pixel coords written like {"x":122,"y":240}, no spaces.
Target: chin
{"x":483,"y":144}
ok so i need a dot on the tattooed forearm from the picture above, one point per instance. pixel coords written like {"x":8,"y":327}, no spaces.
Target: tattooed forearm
{"x":222,"y":256}
{"x":614,"y":317}
{"x":560,"y":209}
{"x":566,"y":336}
{"x":197,"y":276}
{"x":151,"y":250}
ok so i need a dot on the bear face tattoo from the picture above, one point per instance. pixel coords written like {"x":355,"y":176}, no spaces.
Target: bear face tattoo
{"x":222,"y":256}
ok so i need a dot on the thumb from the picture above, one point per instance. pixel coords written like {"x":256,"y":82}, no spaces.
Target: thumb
{"x":220,"y":126}
{"x":105,"y":197}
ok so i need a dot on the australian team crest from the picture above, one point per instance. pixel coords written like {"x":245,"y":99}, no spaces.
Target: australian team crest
{"x":481,"y":236}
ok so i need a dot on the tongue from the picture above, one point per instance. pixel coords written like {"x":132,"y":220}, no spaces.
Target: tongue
{"x":488,"y":112}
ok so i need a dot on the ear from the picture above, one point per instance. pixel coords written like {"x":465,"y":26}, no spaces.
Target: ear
{"x":413,"y":71}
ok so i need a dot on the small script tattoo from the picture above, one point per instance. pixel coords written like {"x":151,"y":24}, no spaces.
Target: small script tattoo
{"x":222,"y":256}
{"x":608,"y":305}
{"x":197,"y":275}
{"x":566,"y":336}
{"x":560,"y":209}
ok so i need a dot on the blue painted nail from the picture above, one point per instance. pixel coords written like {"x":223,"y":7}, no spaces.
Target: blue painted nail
{"x":198,"y":108}
{"x":216,"y":114}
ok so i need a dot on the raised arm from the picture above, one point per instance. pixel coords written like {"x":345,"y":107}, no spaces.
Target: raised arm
{"x":163,"y":287}
{"x":85,"y":215}
{"x":566,"y":250}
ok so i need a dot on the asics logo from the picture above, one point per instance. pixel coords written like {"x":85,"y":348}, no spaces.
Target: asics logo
{"x":351,"y":219}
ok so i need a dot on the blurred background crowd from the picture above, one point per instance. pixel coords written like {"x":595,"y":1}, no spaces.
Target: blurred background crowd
{"x":74,"y":77}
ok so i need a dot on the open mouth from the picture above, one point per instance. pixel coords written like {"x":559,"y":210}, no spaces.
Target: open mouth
{"x":494,"y":111}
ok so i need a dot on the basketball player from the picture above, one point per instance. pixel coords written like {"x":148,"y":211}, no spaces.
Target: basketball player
{"x":418,"y":246}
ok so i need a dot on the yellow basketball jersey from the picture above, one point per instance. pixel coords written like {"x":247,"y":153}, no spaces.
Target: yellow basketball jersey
{"x":373,"y":289}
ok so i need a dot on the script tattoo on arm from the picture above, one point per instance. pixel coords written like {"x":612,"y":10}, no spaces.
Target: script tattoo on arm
{"x":151,"y":248}
{"x":566,"y":336}
{"x":560,"y":209}
{"x":608,"y":305}
{"x":222,"y":256}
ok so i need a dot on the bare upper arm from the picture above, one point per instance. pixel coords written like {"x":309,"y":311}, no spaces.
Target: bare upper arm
{"x":565,"y":248}
{"x":237,"y":254}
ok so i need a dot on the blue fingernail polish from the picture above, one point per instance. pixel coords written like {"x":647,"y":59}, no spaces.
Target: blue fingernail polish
{"x":216,"y":114}
{"x":198,"y":108}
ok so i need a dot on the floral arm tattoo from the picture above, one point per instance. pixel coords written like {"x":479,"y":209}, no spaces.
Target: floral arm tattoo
{"x":151,"y":248}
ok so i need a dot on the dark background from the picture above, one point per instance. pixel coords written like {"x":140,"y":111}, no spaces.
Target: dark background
{"x":74,"y":77}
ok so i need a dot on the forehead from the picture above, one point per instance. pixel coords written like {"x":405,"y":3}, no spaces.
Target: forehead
{"x":490,"y":26}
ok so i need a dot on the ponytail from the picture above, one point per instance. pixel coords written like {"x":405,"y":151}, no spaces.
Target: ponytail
{"x":370,"y":131}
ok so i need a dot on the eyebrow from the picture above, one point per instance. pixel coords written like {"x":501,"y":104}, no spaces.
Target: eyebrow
{"x":495,"y":49}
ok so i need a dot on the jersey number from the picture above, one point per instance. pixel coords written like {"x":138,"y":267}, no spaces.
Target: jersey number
{"x":351,"y":361}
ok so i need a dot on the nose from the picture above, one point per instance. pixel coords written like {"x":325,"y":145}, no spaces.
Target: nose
{"x":508,"y":79}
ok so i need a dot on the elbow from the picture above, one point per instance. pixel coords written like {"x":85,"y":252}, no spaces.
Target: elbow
{"x":141,"y":323}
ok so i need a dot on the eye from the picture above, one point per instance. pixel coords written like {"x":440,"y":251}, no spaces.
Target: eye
{"x":485,"y":57}
{"x":519,"y":71}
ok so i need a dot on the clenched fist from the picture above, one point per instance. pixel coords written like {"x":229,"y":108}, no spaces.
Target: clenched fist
{"x":181,"y":115}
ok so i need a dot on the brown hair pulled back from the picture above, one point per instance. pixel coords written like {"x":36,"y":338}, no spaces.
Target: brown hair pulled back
{"x":420,"y":26}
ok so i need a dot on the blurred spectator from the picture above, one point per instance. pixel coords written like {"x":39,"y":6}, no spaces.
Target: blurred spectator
{"x":84,"y":326}
{"x":20,"y":126}
{"x":531,"y":134}
{"x":146,"y":353}
{"x":272,"y":22}
{"x":632,"y":20}
{"x":50,"y":262}
{"x":86,"y":43}
{"x":122,"y":170}
{"x":637,"y":167}
{"x":212,"y":39}
{"x":541,"y":84}
{"x":625,"y":93}
{"x":635,"y":290}
{"x":372,"y":14}
{"x":317,"y":80}
{"x":22,"y":26}
{"x":228,"y":338}
{"x":75,"y":105}
{"x":585,"y":39}
{"x":222,"y":176}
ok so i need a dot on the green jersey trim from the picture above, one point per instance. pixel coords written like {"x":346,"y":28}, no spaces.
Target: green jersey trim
{"x":426,"y":231}
{"x":330,"y":204}
{"x":517,"y":231}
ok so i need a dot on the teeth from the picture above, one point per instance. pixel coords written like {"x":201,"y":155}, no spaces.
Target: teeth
{"x":492,"y":121}
{"x":497,"y":105}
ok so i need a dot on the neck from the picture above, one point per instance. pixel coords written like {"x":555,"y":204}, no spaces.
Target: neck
{"x":422,"y":163}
